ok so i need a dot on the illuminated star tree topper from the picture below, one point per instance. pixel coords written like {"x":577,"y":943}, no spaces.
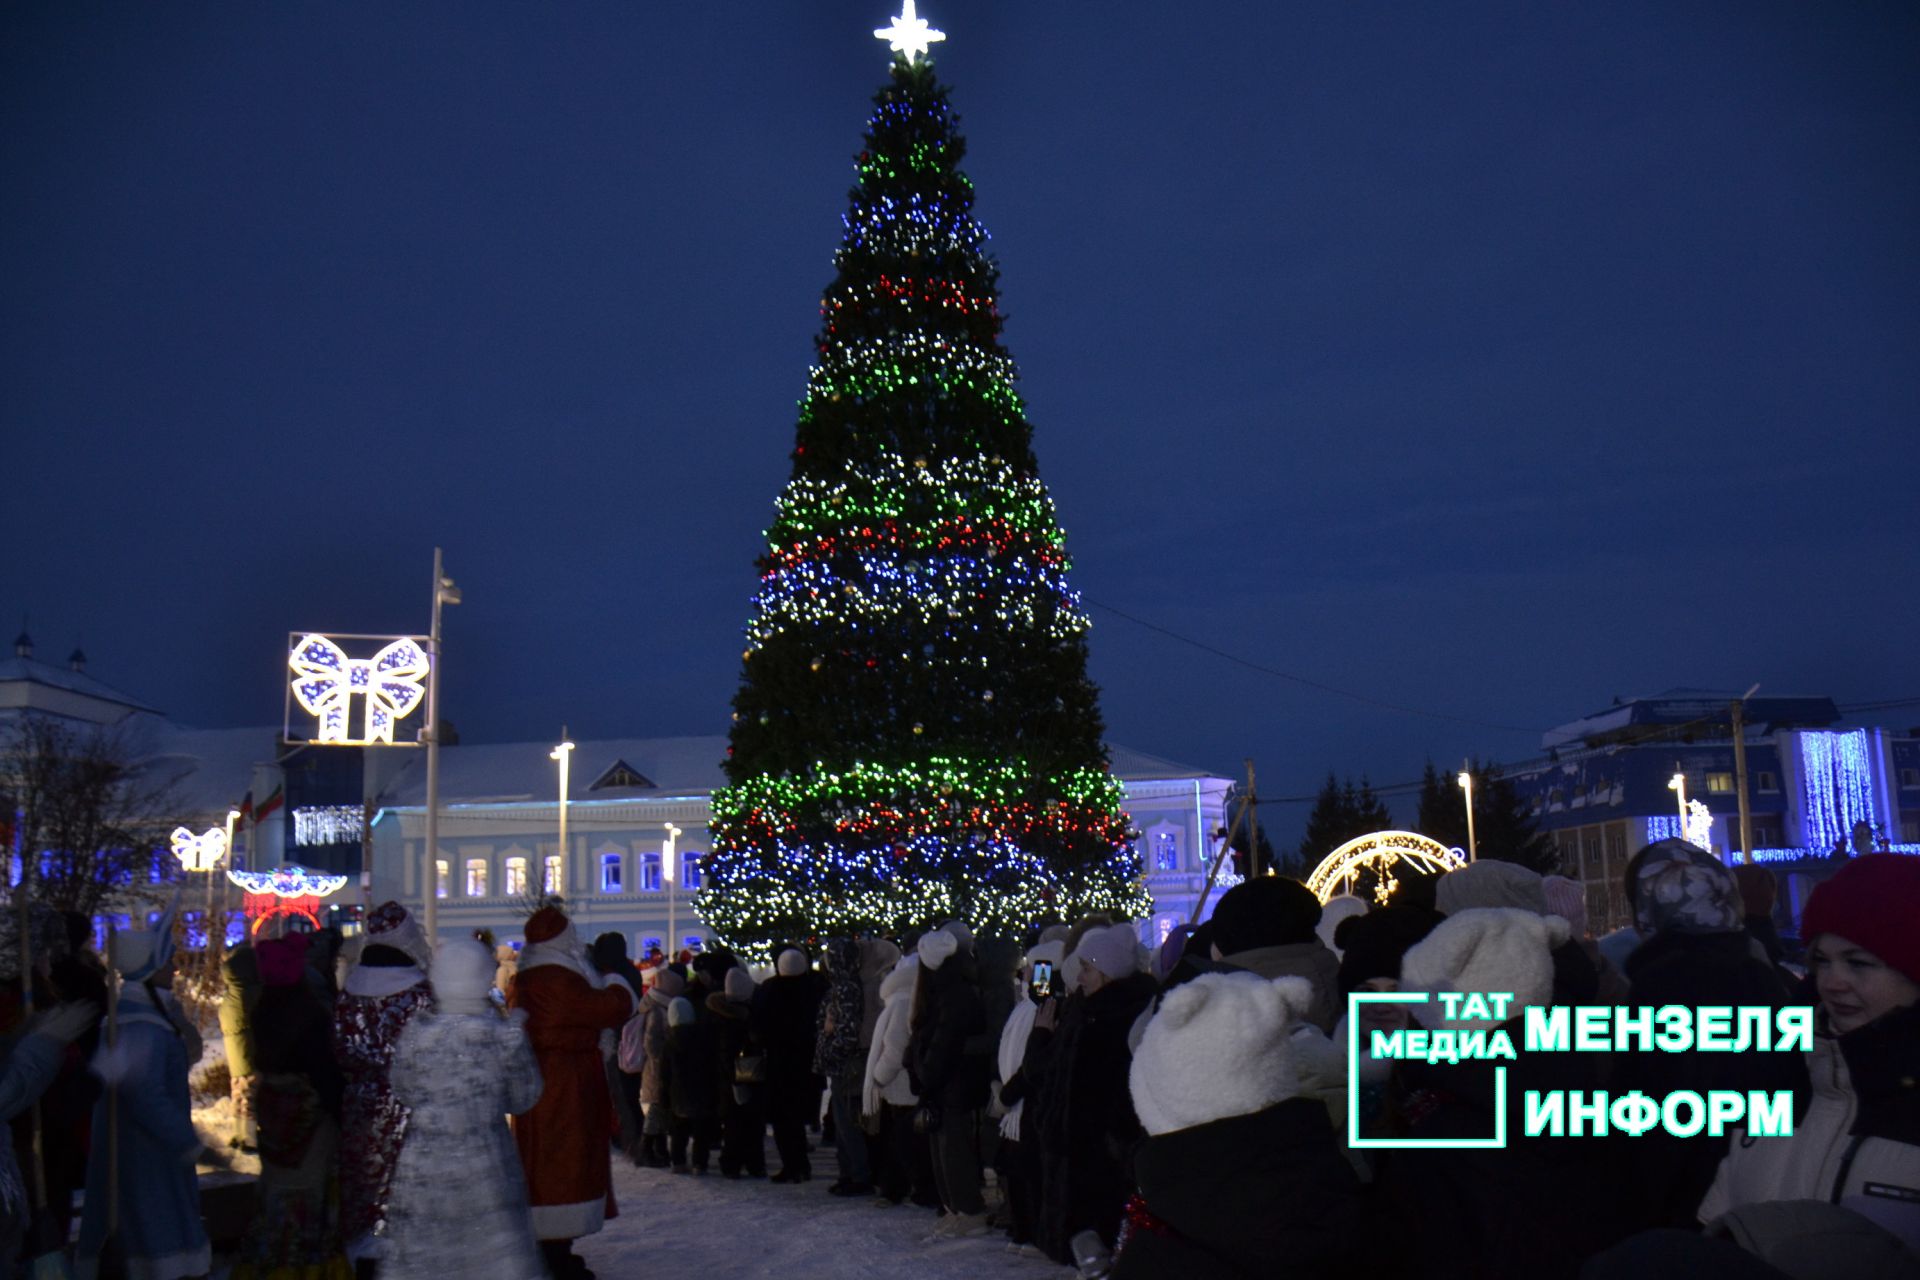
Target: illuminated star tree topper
{"x":909,"y":34}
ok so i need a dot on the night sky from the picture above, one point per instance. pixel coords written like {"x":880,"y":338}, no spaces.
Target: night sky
{"x":1486,"y":360}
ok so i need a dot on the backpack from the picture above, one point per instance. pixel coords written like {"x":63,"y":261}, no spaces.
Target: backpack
{"x":632,"y":1056}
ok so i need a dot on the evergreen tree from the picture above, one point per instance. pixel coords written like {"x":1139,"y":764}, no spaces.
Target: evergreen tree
{"x":1504,"y":828}
{"x":1341,"y":812}
{"x":915,"y":736}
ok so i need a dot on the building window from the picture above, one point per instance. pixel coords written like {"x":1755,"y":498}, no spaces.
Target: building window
{"x":476,"y":877}
{"x":1910,"y":830}
{"x":441,"y":875}
{"x":609,"y":873}
{"x":1616,"y":848}
{"x":516,"y":885}
{"x":690,"y":868}
{"x":550,"y":881}
{"x":1720,"y":783}
{"x":1166,"y":851}
{"x":1909,"y":779}
{"x":1590,"y":851}
{"x":1767,"y":782}
{"x":649,"y":873}
{"x":692,"y":942}
{"x":650,"y":947}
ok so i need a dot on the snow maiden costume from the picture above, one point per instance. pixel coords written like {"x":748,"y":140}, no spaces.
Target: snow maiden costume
{"x":156,"y":1228}
{"x":459,"y":1203}
{"x":383,"y":992}
{"x":565,"y":1139}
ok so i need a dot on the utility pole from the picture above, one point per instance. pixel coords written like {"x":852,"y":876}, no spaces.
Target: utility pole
{"x":444,"y":592}
{"x":1466,"y":785}
{"x":1253,"y":824}
{"x":1739,"y":712}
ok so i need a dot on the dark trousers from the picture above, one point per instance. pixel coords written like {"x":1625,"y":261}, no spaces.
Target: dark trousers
{"x":905,"y":1166}
{"x":704,"y":1134}
{"x":793,"y":1102}
{"x":849,"y":1139}
{"x":956,"y":1162}
{"x":743,"y":1134}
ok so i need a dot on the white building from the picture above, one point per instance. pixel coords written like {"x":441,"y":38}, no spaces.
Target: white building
{"x":499,"y":835}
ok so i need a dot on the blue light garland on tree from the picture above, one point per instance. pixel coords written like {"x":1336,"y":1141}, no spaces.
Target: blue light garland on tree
{"x":915,"y":736}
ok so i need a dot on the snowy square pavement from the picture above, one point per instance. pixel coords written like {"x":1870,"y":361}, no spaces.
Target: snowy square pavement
{"x":712,"y":1227}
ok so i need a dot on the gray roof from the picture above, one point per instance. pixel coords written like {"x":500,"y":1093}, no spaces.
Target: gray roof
{"x":34,"y":671}
{"x":521,"y":772}
{"x":210,"y":769}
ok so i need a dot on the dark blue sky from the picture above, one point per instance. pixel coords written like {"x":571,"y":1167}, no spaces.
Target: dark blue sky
{"x":1491,"y":359}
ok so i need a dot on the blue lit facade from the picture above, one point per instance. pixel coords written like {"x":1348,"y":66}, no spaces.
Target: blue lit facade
{"x":1603,"y":792}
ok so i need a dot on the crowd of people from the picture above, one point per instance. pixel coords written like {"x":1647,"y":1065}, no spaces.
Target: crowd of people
{"x":1182,"y":1111}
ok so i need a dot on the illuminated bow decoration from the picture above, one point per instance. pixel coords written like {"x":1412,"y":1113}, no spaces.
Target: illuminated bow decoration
{"x":325,"y":680}
{"x":199,"y":852}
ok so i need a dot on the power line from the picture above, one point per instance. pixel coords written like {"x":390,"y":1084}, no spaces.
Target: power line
{"x":1303,"y":680}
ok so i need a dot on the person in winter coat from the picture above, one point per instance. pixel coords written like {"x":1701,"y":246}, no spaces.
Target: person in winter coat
{"x":1530,"y":1210}
{"x":143,"y":1137}
{"x":1858,"y":1144}
{"x":1018,"y":1159}
{"x":903,"y":1167}
{"x":238,"y":995}
{"x":1077,"y":1083}
{"x":33,"y":1060}
{"x":565,"y":1138}
{"x":459,"y":1205}
{"x":785,"y":1009}
{"x":1371,"y":948}
{"x":1696,"y":953}
{"x":1238,"y":1175}
{"x":656,"y":1108}
{"x":693,"y":1087}
{"x":384,"y":990}
{"x":836,"y":1055}
{"x":609,"y":955}
{"x":1267,"y":926}
{"x":295,"y":1232}
{"x":743,"y":1087}
{"x":952,"y":1081}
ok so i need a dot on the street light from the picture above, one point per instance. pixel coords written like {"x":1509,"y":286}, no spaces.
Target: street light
{"x":563,"y":753}
{"x":671,"y":870}
{"x":1466,"y":784}
{"x":1678,"y":785}
{"x":444,"y":593}
{"x":233,"y":816}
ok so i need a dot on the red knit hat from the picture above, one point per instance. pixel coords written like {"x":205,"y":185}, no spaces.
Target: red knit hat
{"x":1872,"y":902}
{"x":546,"y":924}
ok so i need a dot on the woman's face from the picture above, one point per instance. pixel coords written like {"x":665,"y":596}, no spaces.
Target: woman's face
{"x":1854,"y":986}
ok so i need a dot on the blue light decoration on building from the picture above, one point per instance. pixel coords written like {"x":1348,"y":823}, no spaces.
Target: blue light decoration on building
{"x":1665,"y":827}
{"x":1837,"y":786}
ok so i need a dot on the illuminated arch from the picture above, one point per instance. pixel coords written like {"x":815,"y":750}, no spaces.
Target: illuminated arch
{"x":1379,"y":852}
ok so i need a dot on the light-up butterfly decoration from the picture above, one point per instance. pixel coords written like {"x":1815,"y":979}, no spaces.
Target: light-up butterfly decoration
{"x":201,"y":852}
{"x":325,"y":681}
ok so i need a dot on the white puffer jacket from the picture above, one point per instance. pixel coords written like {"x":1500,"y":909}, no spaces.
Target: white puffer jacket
{"x":1878,"y":1178}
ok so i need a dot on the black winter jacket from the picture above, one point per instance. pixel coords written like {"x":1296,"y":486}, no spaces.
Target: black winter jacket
{"x":945,"y":1059}
{"x":1244,"y":1197}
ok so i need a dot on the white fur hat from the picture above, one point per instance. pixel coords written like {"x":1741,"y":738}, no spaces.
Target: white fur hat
{"x":792,"y":963}
{"x":1219,"y":1046}
{"x":1047,"y":952}
{"x":1112,"y":949}
{"x":462,"y":971}
{"x":1485,"y":949}
{"x":1341,"y":907}
{"x":936,"y":948}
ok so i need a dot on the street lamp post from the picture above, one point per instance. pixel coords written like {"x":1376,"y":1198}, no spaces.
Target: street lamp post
{"x":563,"y":753}
{"x":217,"y":936}
{"x":1466,"y":785}
{"x":671,"y":870}
{"x":1678,"y":785}
{"x":444,"y":593}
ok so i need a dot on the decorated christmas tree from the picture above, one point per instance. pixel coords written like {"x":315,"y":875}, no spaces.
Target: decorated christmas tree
{"x":915,"y":737}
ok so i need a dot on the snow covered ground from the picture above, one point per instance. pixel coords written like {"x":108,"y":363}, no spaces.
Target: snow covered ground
{"x":683,"y":1225}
